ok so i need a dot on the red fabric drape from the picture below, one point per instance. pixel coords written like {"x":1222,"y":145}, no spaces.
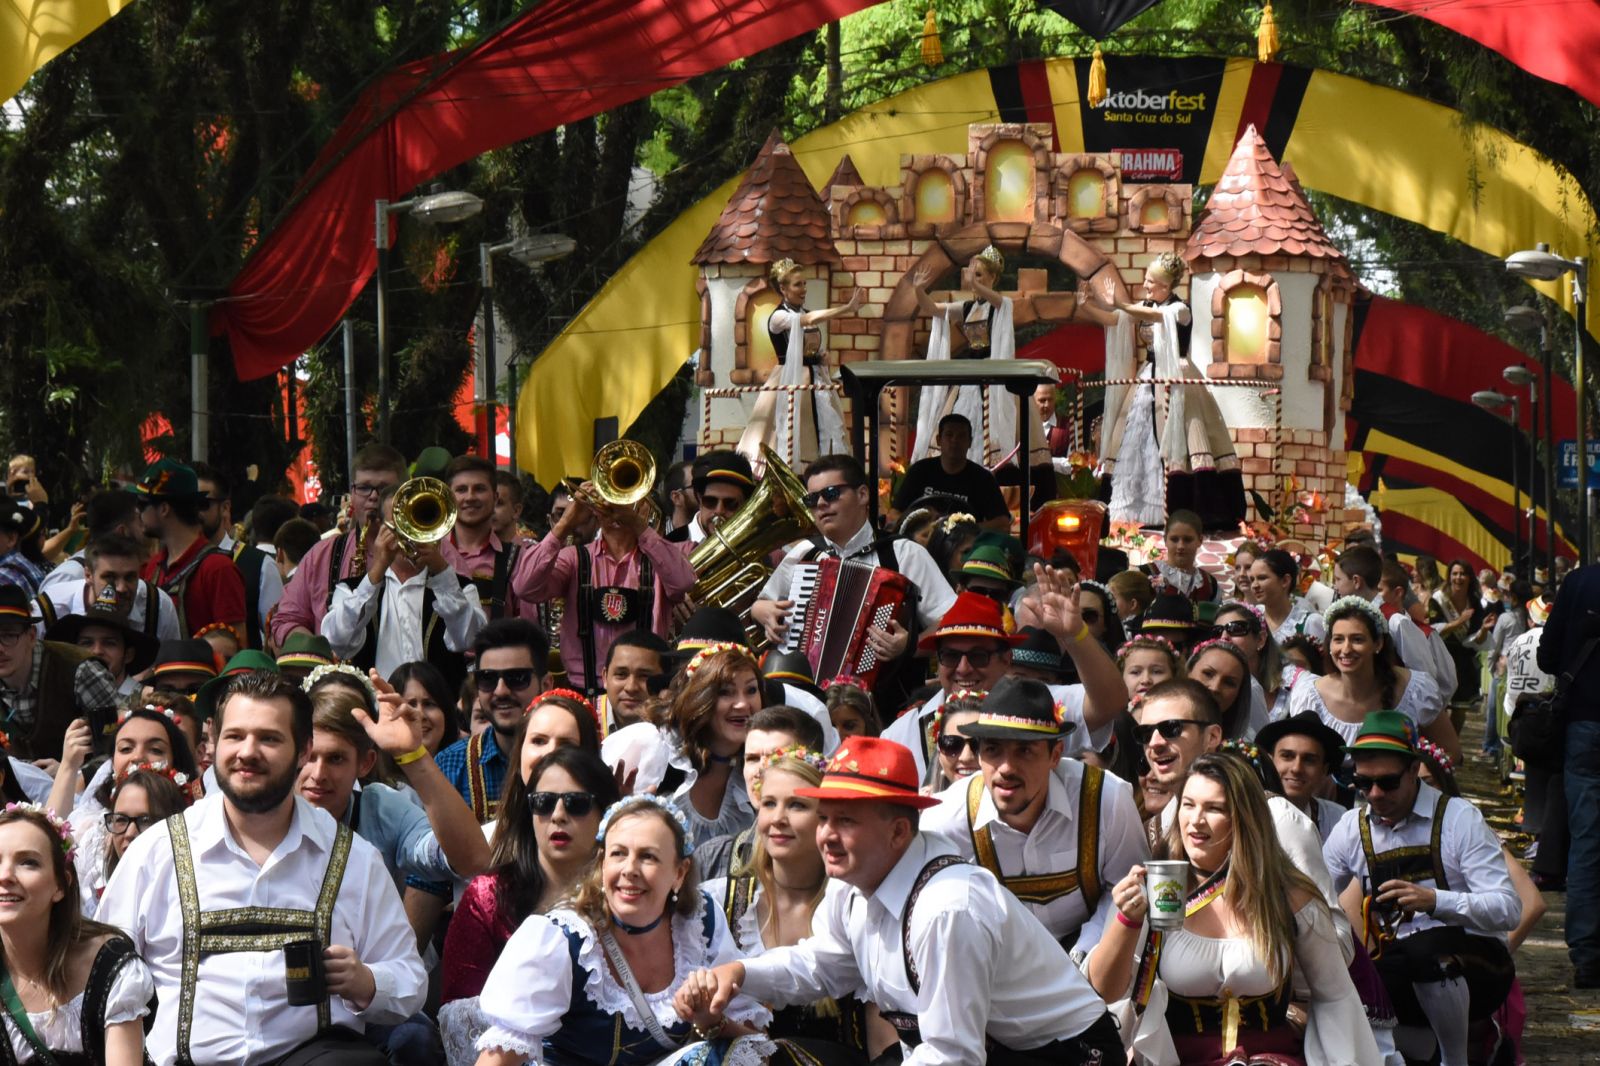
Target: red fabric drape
{"x":1557,"y":40}
{"x":564,"y":61}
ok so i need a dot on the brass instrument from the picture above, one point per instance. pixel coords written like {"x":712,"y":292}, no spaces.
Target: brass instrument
{"x":731,"y":562}
{"x":623,"y":473}
{"x":424,"y":513}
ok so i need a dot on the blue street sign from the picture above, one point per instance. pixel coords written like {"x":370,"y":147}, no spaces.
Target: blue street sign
{"x":1567,"y":477}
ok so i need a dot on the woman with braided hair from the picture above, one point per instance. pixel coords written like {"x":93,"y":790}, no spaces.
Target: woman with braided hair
{"x":1192,"y":464}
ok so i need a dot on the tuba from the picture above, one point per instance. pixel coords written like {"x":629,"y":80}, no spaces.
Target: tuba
{"x":424,"y":512}
{"x":731,"y":563}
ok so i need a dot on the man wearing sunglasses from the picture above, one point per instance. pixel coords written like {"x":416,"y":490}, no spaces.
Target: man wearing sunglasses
{"x":511,"y":656}
{"x":1021,"y":817}
{"x":723,"y":482}
{"x":837,"y":495}
{"x":1433,"y":879}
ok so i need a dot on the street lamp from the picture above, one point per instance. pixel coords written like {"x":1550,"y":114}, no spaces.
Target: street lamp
{"x":439,"y":206}
{"x":1492,"y":401}
{"x":1525,"y":378}
{"x":527,"y":250}
{"x":1533,"y":320}
{"x":1543,"y":265}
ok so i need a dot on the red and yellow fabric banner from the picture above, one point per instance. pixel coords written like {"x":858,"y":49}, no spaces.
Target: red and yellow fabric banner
{"x":34,"y":33}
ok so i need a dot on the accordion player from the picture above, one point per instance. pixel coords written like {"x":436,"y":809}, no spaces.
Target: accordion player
{"x":835,"y":602}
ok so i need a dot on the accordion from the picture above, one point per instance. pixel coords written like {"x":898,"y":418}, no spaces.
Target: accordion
{"x":835,"y":603}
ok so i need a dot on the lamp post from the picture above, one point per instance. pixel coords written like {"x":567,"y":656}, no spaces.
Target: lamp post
{"x":438,"y":206}
{"x":1543,"y":265}
{"x":1492,"y":401}
{"x":1521,"y":375}
{"x":527,"y":250}
{"x":1534,"y":320}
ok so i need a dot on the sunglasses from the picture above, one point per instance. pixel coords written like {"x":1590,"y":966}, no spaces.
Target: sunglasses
{"x":516,"y":679}
{"x":1387,"y":782}
{"x":1171,"y":729}
{"x":1089,"y":615}
{"x":951,"y":745}
{"x":1239,"y":627}
{"x":978,"y":658}
{"x":578,"y":804}
{"x":117,"y":824}
{"x":830,"y":494}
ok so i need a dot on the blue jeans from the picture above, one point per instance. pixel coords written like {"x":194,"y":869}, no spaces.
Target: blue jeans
{"x":1583,"y":857}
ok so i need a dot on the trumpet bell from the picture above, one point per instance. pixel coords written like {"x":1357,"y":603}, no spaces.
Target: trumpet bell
{"x":623,"y":472}
{"x":424,"y":511}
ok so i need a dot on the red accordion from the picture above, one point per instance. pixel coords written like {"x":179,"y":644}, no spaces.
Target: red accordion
{"x":835,"y":603}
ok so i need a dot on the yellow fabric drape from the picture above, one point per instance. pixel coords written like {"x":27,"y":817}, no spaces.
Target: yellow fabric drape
{"x":33,"y":32}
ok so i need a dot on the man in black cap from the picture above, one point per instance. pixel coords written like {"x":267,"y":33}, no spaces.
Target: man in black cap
{"x":1305,"y":752}
{"x":45,"y":685}
{"x":723,"y":482}
{"x":1039,"y":658}
{"x":204,"y":584}
{"x":103,"y":631}
{"x":1057,"y":833}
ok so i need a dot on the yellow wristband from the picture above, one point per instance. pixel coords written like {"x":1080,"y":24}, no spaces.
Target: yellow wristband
{"x":412,"y":756}
{"x":1082,"y":633}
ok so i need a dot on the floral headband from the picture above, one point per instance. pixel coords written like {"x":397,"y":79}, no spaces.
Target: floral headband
{"x":1144,"y":641}
{"x":1254,"y":608}
{"x":846,"y":679}
{"x":936,"y":727}
{"x":718,"y":648}
{"x":1345,"y":603}
{"x":952,"y":520}
{"x":149,"y":708}
{"x":798,"y":752}
{"x":356,"y":672}
{"x":1427,"y":747}
{"x":68,"y":846}
{"x":218,"y":627}
{"x":189,"y":788}
{"x":1219,"y":643}
{"x":654,"y":800}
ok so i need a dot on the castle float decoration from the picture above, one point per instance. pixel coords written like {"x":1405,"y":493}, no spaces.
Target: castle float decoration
{"x":1271,"y":296}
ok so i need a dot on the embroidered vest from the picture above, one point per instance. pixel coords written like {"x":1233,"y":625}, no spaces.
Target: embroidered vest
{"x":1041,"y":889}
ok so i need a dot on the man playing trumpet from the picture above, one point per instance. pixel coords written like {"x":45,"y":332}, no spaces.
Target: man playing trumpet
{"x":628,"y":578}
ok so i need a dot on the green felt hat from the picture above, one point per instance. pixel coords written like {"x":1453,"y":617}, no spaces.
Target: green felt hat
{"x":309,"y":650}
{"x":167,"y":479}
{"x":1385,"y":732}
{"x":247,"y":661}
{"x":986,"y":560}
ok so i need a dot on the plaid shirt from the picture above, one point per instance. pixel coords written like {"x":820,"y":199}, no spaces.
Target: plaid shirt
{"x":453,"y":762}
{"x":18,"y":569}
{"x":92,"y":687}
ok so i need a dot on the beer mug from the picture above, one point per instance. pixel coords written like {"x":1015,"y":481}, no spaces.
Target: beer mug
{"x":1166,"y":888}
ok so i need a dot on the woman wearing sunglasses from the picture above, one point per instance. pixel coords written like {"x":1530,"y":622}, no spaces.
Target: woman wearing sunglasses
{"x":1273,"y":577}
{"x":1367,"y":676}
{"x":544,"y":842}
{"x":956,"y":754}
{"x":1099,"y":613}
{"x":1243,"y":626}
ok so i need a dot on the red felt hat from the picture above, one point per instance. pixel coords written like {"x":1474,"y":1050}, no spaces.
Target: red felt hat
{"x":972,"y":615}
{"x":872,"y":770}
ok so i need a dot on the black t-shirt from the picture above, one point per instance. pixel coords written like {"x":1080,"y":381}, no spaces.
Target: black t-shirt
{"x":974,"y":485}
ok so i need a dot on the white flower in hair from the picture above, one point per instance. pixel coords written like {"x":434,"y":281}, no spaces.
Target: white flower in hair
{"x":339,"y":668}
{"x":1344,"y":604}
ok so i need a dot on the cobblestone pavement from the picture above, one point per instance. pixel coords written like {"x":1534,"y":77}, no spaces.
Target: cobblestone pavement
{"x":1542,"y":968}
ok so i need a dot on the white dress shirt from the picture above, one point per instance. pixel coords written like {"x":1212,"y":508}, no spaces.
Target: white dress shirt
{"x":1302,"y":619}
{"x":71,"y":598}
{"x":400,"y":636}
{"x":271,"y":586}
{"x":934,"y":594}
{"x":1480,"y":897}
{"x":908,"y":728}
{"x":241,"y":1013}
{"x":987,"y":967}
{"x":1051,"y":846}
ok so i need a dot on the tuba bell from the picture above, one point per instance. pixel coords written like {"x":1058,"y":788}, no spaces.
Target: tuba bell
{"x":731,"y":562}
{"x":623,"y":473}
{"x":424,"y":512}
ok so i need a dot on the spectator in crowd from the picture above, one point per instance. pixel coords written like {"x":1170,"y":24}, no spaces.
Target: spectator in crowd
{"x":953,"y":474}
{"x":44,"y":685}
{"x":200,"y":577}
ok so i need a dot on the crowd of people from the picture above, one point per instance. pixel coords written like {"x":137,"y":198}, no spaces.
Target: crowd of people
{"x":306,"y":789}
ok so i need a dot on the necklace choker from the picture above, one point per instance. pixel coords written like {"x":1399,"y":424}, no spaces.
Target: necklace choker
{"x":637,"y":930}
{"x":721,"y":760}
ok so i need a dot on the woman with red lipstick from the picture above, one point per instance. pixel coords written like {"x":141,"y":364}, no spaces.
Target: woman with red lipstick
{"x":544,"y":842}
{"x":1218,"y":989}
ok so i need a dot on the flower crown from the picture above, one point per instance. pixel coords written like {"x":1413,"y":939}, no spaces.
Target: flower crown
{"x":798,"y":752}
{"x":69,"y":847}
{"x":846,"y":679}
{"x":718,"y":648}
{"x":936,"y":728}
{"x":1218,"y":642}
{"x":1345,"y":603}
{"x":149,"y":708}
{"x":1142,"y":641}
{"x":218,"y":627}
{"x":1427,"y":747}
{"x":356,"y":672}
{"x":188,"y":787}
{"x":1254,"y":608}
{"x":954,"y":519}
{"x":654,"y":800}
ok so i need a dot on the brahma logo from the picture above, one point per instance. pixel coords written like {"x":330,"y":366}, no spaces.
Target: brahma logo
{"x":1151,"y":164}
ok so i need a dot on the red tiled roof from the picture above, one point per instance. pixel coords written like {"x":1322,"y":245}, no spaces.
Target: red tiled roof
{"x":774,"y":214}
{"x":1258,"y":208}
{"x":844,"y":174}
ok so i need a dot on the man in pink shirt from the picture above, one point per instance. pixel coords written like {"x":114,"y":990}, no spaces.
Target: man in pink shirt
{"x":332,"y":560}
{"x":601,"y":581}
{"x":472,"y":547}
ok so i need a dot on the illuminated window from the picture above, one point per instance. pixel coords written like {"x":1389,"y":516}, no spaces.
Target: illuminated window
{"x":1009,"y":183}
{"x":1247,"y":320}
{"x":1155,"y":212}
{"x":1086,"y":194}
{"x":866,"y":212}
{"x":936,"y":197}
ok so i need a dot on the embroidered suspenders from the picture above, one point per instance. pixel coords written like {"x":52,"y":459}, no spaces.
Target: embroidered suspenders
{"x":905,"y":1023}
{"x":1045,"y":888}
{"x":1416,"y":863}
{"x":245,"y":928}
{"x":484,"y":806}
{"x":736,"y":900}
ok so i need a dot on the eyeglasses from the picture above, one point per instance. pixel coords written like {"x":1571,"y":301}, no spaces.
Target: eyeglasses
{"x":1000,"y":596}
{"x":977,"y":658}
{"x":366,"y":489}
{"x":1387,"y":782}
{"x":830,"y":494}
{"x":1239,"y":627}
{"x":516,"y":679}
{"x":1171,"y":729}
{"x":9,"y":637}
{"x":951,"y":745}
{"x":578,"y":804}
{"x":720,"y":503}
{"x":117,"y":824}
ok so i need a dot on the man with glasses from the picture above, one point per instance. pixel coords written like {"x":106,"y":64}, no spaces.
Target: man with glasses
{"x":723,"y":482}
{"x":1434,"y":889}
{"x":1057,"y":833}
{"x":987,"y":571}
{"x":511,"y":656}
{"x":201,"y":579}
{"x":216,"y":506}
{"x":44,"y":685}
{"x":336,"y":558}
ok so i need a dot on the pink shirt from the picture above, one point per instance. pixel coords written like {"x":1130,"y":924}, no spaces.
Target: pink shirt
{"x":305,"y":597}
{"x":550,"y":570}
{"x":479,"y":563}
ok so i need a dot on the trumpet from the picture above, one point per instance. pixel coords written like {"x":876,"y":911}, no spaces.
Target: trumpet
{"x":424,"y":513}
{"x":622,"y":474}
